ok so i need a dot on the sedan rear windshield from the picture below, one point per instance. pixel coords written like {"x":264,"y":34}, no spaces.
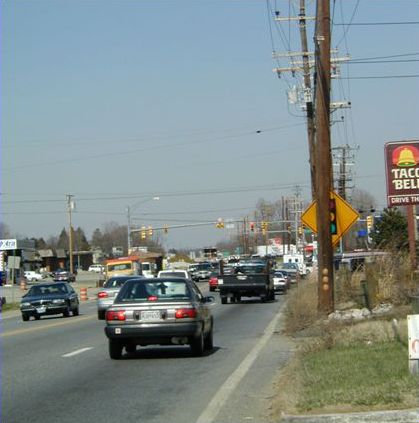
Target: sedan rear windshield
{"x":155,"y":290}
{"x":172,"y":274}
{"x":114,"y":282}
{"x":47,"y":290}
{"x":250,"y":269}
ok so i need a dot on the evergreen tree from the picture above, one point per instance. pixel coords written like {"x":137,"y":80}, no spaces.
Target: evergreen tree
{"x":63,"y":240}
{"x":390,"y":230}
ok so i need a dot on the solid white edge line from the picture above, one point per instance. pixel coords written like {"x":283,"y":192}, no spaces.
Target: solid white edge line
{"x":223,"y":394}
{"x":82,"y":350}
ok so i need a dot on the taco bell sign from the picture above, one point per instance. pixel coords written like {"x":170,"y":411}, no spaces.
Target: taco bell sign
{"x":402,"y":172}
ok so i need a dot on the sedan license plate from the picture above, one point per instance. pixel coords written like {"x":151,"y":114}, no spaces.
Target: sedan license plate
{"x":150,"y":315}
{"x":41,"y":309}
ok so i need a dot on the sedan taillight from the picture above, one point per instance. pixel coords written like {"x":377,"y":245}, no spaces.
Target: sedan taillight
{"x":112,"y":315}
{"x":102,"y":294}
{"x":213,"y":281}
{"x":185,"y":313}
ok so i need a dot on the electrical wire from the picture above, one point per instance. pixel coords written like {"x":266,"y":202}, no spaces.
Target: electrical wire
{"x":163,"y":194}
{"x":346,"y":28}
{"x":376,"y":23}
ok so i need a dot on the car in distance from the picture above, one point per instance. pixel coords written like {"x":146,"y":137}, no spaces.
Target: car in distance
{"x":49,"y":298}
{"x":32,"y":276}
{"x":160,"y":311}
{"x":64,"y":276}
{"x":202,"y":271}
{"x":97,"y":268}
{"x":213,"y":283}
{"x":108,"y":292}
{"x":281,"y":281}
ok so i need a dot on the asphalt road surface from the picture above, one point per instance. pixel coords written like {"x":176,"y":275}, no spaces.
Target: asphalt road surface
{"x":58,"y":370}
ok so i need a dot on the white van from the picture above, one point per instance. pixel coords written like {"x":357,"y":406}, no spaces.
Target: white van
{"x":97,"y":268}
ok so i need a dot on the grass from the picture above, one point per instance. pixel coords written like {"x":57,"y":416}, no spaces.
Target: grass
{"x":357,"y":375}
{"x":10,"y":306}
{"x":348,"y":366}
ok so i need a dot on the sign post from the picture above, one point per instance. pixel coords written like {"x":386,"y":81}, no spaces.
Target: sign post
{"x":402,"y":177}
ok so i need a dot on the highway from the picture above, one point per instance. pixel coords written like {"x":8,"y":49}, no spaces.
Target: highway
{"x":58,"y":370}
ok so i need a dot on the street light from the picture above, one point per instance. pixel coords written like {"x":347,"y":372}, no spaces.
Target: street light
{"x":130,"y":209}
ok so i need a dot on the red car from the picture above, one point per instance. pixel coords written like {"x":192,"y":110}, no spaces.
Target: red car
{"x":213,"y":283}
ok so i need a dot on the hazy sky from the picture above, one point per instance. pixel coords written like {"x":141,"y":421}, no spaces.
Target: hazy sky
{"x":118,"y":101}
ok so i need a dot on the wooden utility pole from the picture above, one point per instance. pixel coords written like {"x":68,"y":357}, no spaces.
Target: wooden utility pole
{"x":323,"y":157}
{"x":308,"y":97}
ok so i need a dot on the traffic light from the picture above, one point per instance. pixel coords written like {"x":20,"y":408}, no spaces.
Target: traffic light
{"x":264,"y":227}
{"x":150,"y":231}
{"x":252,"y":226}
{"x":301,"y":230}
{"x":143,"y":232}
{"x":333,"y":217}
{"x":370,"y":223}
{"x":220,"y":223}
{"x":165,"y":229}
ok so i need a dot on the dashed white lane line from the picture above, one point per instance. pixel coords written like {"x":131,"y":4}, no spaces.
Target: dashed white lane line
{"x":80,"y":351}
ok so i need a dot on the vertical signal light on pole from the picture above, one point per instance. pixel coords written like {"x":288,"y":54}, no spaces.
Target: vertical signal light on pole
{"x":333,"y":217}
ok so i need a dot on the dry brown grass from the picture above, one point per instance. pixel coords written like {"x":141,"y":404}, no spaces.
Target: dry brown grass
{"x":301,"y":309}
{"x":389,"y":281}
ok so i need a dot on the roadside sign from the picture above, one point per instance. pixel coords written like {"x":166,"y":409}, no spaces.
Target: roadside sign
{"x":413,"y":335}
{"x":8,"y":244}
{"x":13,"y":262}
{"x":345,"y":217}
{"x":402,"y":172}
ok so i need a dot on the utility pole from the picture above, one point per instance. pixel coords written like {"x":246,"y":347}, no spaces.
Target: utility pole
{"x":70,"y":206}
{"x":128,"y":230}
{"x":308,"y":96}
{"x":323,"y":157}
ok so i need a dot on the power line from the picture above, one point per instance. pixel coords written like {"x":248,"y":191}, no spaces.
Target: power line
{"x":164,"y":195}
{"x":366,"y":62}
{"x":376,"y":23}
{"x":145,"y":149}
{"x":382,"y":77}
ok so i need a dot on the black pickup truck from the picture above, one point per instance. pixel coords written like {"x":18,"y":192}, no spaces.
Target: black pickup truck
{"x":248,"y":280}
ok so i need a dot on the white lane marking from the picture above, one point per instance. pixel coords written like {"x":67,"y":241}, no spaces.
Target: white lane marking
{"x":223,"y":394}
{"x":82,"y":350}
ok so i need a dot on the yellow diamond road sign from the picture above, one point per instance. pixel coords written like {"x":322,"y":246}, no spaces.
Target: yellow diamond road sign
{"x":346,"y":216}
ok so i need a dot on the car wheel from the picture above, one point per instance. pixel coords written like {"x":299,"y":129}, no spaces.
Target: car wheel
{"x":66,"y":313}
{"x":76,"y":311}
{"x":37,"y":316}
{"x":101,"y":314}
{"x":197,"y":345}
{"x":25,"y":317}
{"x":209,"y":341}
{"x":232,"y":300}
{"x":238,"y":298}
{"x":223,"y":300}
{"x":115,"y":349}
{"x":130,"y":348}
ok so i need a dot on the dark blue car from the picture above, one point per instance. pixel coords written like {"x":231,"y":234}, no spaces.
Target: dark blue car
{"x":49,"y":298}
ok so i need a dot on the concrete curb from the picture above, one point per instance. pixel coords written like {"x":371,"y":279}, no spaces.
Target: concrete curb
{"x":393,"y":416}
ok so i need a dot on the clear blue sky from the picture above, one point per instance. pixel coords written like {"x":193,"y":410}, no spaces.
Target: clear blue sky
{"x":119,"y":101}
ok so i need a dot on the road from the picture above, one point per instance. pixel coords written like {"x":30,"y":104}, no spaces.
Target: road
{"x":58,"y":370}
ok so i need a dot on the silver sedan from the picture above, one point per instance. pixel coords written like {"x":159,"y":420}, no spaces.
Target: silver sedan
{"x":161,"y":311}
